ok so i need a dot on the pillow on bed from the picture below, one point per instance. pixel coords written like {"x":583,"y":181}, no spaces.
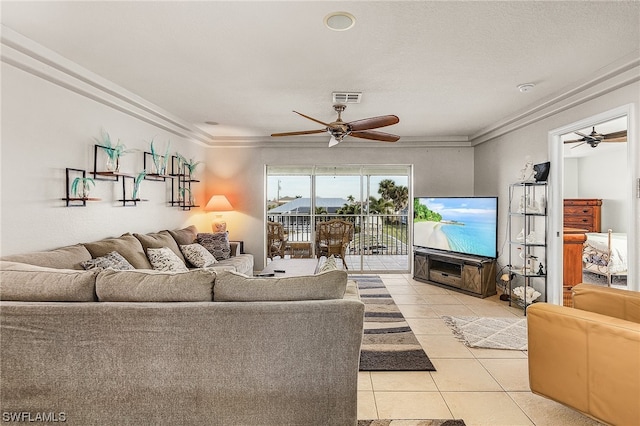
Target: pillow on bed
{"x":234,"y":287}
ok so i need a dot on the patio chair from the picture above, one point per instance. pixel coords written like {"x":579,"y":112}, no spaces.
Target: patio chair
{"x":276,"y":240}
{"x":333,"y":237}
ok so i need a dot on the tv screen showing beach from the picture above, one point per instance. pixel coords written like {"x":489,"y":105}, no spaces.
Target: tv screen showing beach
{"x":463,"y":225}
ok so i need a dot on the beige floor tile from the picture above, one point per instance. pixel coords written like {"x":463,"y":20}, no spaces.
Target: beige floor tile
{"x":443,"y":346}
{"x":471,"y":300}
{"x":463,"y":375}
{"x":364,"y":381}
{"x":403,"y":381}
{"x":390,"y":281}
{"x":428,"y":326}
{"x":401,"y":290}
{"x":493,"y":311}
{"x":453,"y":310}
{"x":481,"y":353}
{"x":422,"y":288}
{"x":418,"y":311}
{"x":511,"y":374}
{"x":545,"y":412}
{"x":411,"y":405}
{"x":441,"y":299}
{"x":367,"y":406}
{"x":408,"y":299}
{"x":486,"y":409}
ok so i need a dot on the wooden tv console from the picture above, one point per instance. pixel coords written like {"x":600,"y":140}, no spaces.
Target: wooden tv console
{"x":473,"y":275}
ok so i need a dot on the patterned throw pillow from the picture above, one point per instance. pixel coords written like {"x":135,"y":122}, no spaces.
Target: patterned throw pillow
{"x":164,"y":259}
{"x":198,"y":256}
{"x":217,"y":244}
{"x":113,"y":260}
{"x":329,"y":265}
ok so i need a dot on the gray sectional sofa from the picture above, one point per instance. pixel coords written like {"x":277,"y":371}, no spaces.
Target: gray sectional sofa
{"x":206,"y":346}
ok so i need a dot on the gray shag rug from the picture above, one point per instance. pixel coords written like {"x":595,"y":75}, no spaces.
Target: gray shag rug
{"x":388,"y":344}
{"x":435,"y":422}
{"x":490,"y":333}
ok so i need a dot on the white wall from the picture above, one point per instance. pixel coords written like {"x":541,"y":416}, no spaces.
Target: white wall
{"x":46,"y":128}
{"x":498,"y":161}
{"x":239,"y":174}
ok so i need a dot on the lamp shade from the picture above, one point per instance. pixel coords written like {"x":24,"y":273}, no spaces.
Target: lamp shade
{"x":218,"y":203}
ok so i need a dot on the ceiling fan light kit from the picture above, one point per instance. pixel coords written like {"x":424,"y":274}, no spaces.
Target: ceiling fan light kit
{"x":339,"y":129}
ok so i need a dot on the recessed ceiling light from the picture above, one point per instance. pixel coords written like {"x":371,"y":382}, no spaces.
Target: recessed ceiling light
{"x":340,"y":21}
{"x":211,"y":123}
{"x":526,"y":87}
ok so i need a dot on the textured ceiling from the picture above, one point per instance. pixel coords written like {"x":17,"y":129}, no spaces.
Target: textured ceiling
{"x":447,"y":69}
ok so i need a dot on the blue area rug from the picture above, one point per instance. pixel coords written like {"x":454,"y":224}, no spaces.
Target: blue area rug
{"x":388,"y":343}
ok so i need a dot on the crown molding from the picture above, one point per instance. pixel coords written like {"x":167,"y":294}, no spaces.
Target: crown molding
{"x":29,"y":56}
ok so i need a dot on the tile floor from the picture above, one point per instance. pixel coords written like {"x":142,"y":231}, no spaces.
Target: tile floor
{"x":481,"y":386}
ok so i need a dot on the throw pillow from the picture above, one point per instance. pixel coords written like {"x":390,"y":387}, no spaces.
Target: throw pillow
{"x":164,"y":259}
{"x":159,"y":240}
{"x":63,"y":258}
{"x":110,"y":260}
{"x":198,"y":256}
{"x":154,"y":286}
{"x":185,"y":236}
{"x":216,"y":243}
{"x":234,"y":287}
{"x":127,"y":245}
{"x":28,"y":283}
{"x":329,"y":265}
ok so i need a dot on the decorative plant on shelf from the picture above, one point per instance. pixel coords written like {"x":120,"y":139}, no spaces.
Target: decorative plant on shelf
{"x":81,"y":186}
{"x":189,"y":165}
{"x":160,"y":161}
{"x":136,"y":185}
{"x":186,"y":196}
{"x":114,"y":152}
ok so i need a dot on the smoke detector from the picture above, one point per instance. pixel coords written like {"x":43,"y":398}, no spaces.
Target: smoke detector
{"x":347,"y":97}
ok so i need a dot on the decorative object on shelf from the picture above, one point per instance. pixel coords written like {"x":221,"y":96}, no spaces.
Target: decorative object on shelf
{"x":77,"y":191}
{"x":540,"y":269}
{"x":114,"y":152}
{"x":504,"y":285}
{"x":185,"y":196}
{"x":160,"y":162}
{"x":218,"y":204}
{"x":542,"y":171}
{"x":136,"y":185}
{"x":187,"y":166}
{"x":526,"y":294}
{"x":527,"y":172}
{"x":81,"y":186}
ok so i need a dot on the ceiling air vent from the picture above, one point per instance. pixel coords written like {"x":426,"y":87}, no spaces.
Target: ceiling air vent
{"x":347,"y":97}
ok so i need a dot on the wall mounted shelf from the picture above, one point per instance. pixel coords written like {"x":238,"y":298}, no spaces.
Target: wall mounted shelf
{"x":75,"y":201}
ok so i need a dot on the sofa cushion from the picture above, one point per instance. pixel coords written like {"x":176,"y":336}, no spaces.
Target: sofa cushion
{"x":159,"y":240}
{"x":164,"y":259}
{"x":68,"y":257}
{"x":154,"y":286}
{"x":197,"y":255}
{"x":217,"y":243}
{"x":110,"y":260}
{"x":127,"y":245}
{"x":236,"y":287}
{"x":30,"y":283}
{"x":185,"y":236}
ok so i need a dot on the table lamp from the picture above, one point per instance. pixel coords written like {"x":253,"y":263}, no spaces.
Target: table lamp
{"x":217,"y":204}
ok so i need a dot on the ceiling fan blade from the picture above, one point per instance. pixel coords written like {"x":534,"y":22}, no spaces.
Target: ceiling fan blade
{"x":620,"y":136}
{"x":311,"y":118}
{"x":376,"y":136}
{"x":577,"y":145}
{"x":373,"y":122}
{"x":574,"y":141}
{"x":303,"y":132}
{"x":583,"y":135}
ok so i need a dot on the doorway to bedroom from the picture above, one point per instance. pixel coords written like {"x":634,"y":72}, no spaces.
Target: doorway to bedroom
{"x":374,"y":198}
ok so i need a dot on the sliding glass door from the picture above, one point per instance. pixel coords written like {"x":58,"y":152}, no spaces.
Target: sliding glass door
{"x":375,"y":198}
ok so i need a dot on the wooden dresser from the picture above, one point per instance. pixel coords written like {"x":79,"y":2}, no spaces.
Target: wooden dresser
{"x":583,"y":213}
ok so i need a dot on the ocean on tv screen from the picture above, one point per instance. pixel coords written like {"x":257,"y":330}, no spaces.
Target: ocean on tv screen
{"x":464,"y":225}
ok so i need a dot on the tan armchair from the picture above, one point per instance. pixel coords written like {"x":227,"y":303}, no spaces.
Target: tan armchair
{"x":276,"y":240}
{"x":588,"y":357}
{"x":333,"y":237}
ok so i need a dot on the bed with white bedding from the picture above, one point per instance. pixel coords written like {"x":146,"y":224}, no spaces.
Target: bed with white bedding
{"x":605,"y":253}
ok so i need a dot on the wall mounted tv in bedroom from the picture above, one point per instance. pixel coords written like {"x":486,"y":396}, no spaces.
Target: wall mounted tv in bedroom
{"x":467,"y":225}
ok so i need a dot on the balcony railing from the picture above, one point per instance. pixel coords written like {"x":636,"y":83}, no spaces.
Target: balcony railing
{"x":386,"y":234}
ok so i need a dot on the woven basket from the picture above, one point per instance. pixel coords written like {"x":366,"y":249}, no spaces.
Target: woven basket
{"x":567,"y":297}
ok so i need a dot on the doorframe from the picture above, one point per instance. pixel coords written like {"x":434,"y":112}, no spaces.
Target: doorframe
{"x":556,"y":187}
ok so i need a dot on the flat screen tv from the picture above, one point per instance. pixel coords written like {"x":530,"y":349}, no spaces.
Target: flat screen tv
{"x":467,"y":225}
